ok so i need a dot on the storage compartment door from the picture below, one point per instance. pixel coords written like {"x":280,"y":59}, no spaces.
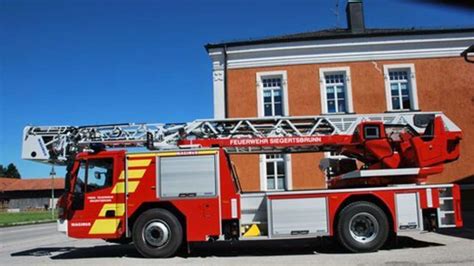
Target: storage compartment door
{"x":298,"y":217}
{"x":187,"y":176}
{"x":409,"y":215}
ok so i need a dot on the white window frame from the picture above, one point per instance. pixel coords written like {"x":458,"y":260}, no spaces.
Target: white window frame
{"x":275,"y":160}
{"x":261,"y":113}
{"x":411,"y":86}
{"x":322,"y":86}
{"x":284,"y":84}
{"x":263,"y":172}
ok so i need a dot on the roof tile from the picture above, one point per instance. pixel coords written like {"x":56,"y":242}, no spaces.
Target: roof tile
{"x":12,"y":184}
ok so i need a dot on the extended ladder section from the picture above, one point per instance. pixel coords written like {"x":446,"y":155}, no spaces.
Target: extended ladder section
{"x":54,"y":144}
{"x":392,"y":147}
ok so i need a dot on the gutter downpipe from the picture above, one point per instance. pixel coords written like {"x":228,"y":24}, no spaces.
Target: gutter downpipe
{"x":226,"y":109}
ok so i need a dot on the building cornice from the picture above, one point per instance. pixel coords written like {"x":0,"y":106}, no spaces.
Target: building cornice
{"x":357,"y":49}
{"x":345,"y":57}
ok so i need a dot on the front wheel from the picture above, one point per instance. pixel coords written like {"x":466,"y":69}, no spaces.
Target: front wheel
{"x":157,"y":233}
{"x":362,"y":227}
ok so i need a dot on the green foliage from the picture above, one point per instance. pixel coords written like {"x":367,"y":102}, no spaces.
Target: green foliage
{"x":10,"y":171}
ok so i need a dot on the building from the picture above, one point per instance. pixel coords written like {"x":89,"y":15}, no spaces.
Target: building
{"x":342,"y":71}
{"x":29,"y":193}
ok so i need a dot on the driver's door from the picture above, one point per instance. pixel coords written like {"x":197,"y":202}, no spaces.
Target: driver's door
{"x":96,"y":211}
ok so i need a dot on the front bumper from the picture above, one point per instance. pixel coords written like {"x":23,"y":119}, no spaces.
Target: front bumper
{"x":62,"y":226}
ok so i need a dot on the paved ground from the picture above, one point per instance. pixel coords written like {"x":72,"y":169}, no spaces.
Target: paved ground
{"x":41,"y":244}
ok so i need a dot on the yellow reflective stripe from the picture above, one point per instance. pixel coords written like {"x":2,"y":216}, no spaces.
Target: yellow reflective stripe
{"x":119,"y":209}
{"x":185,"y":153}
{"x":141,"y":155}
{"x":138,"y":163}
{"x":134,"y":173}
{"x":175,"y":153}
{"x":104,"y":226}
{"x":120,"y":187}
{"x":167,"y":154}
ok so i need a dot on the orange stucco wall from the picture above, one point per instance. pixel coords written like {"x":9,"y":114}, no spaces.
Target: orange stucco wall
{"x":443,"y":84}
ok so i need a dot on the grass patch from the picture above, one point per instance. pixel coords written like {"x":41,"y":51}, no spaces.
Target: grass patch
{"x":25,"y":217}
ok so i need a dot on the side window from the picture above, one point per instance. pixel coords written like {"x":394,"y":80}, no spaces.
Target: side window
{"x":99,"y":174}
{"x":79,"y":187}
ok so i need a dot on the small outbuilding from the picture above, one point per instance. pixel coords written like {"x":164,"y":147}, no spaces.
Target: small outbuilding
{"x":24,"y":194}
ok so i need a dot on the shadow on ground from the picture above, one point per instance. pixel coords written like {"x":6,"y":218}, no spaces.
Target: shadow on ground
{"x":219,"y":249}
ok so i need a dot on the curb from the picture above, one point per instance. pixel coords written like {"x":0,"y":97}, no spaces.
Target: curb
{"x":27,"y":223}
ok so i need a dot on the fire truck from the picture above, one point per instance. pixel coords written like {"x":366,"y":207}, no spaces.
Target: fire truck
{"x":164,"y":186}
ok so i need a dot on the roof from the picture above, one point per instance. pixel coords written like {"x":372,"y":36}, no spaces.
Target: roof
{"x":6,"y":182}
{"x":12,"y":184}
{"x":336,"y":33}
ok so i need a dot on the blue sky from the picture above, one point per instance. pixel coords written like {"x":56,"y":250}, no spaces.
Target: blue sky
{"x":91,"y":61}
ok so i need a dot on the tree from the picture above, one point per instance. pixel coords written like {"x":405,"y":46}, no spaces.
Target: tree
{"x":10,"y":171}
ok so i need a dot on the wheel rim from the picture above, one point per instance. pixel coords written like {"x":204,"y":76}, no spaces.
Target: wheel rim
{"x":363,"y":227}
{"x":156,"y":233}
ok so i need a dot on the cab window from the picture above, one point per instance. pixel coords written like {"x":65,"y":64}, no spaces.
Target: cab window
{"x":99,"y":174}
{"x":80,"y":186}
{"x":94,"y":174}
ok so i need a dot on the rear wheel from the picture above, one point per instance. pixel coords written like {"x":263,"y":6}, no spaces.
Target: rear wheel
{"x":362,"y":227}
{"x":157,"y":233}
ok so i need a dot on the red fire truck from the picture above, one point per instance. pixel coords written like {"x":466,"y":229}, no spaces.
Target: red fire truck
{"x":181,"y":186}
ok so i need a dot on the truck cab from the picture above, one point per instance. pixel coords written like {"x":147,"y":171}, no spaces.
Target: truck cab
{"x":109,"y":190}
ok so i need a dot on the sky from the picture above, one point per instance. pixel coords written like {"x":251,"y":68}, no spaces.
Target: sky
{"x":94,"y":62}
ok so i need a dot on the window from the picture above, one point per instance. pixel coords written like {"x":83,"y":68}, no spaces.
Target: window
{"x":272,"y":97}
{"x":400,"y":87}
{"x":275,"y":172}
{"x":79,"y":187}
{"x":335,"y":92}
{"x":99,"y":174}
{"x":371,"y":132}
{"x":93,"y":175}
{"x":336,"y":96}
{"x":272,"y":94}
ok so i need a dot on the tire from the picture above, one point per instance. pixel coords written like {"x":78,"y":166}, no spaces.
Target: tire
{"x":362,"y":227}
{"x":157,"y":233}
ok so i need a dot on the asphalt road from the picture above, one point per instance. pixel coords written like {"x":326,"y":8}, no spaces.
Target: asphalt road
{"x":41,"y":244}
